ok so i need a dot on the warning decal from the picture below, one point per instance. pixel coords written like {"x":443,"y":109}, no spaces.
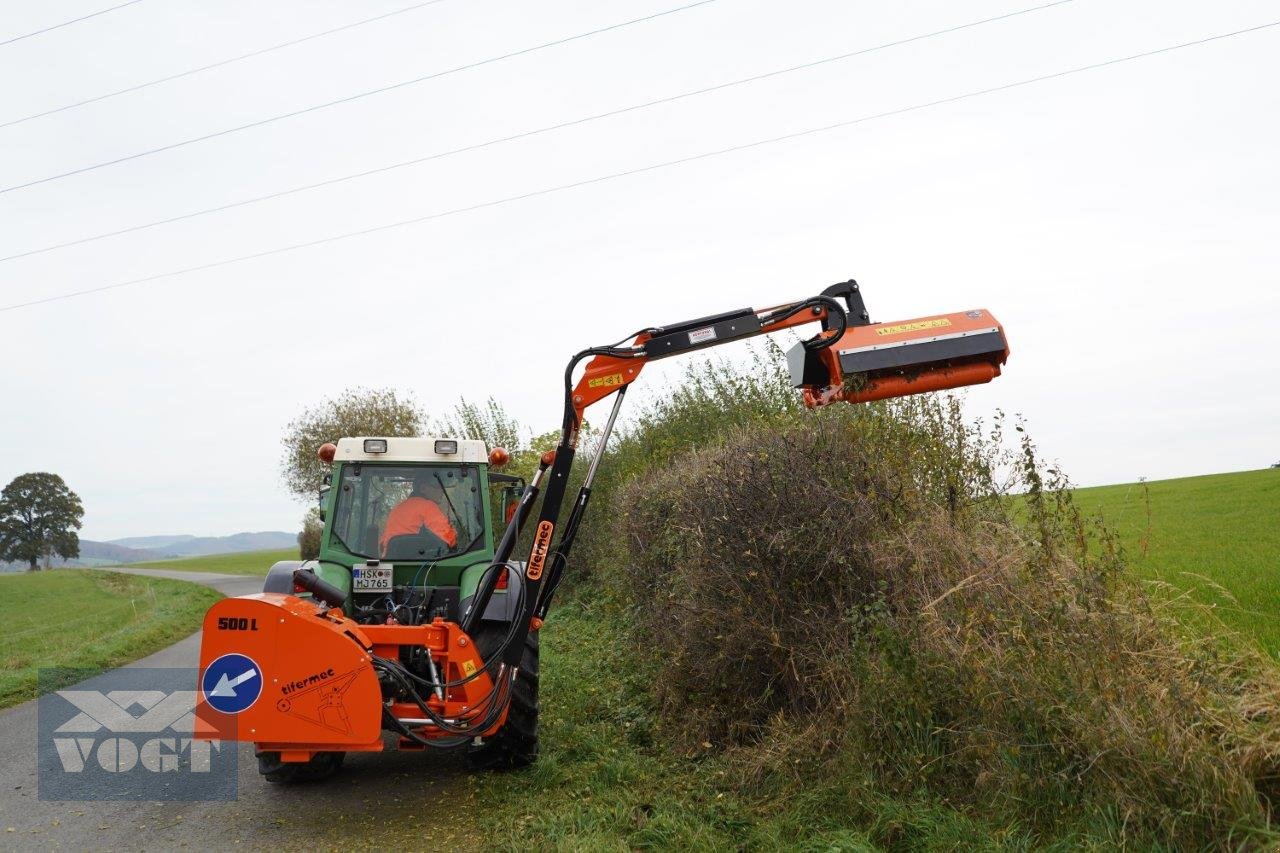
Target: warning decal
{"x":605,"y":381}
{"x":918,"y":326}
{"x":324,"y":705}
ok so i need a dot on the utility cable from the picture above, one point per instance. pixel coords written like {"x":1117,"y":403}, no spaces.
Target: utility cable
{"x":67,"y":23}
{"x":518,"y":136}
{"x":706,"y":155}
{"x":219,"y":64}
{"x":349,"y":98}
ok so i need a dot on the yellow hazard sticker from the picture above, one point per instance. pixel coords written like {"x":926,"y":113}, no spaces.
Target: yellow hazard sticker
{"x":468,"y":667}
{"x":605,"y":381}
{"x":918,"y":326}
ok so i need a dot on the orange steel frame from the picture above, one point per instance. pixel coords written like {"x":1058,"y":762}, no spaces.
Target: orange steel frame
{"x":291,"y":638}
{"x":457,"y":657}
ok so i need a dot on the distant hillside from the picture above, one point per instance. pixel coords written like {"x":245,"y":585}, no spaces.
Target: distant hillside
{"x":186,"y":545}
{"x":115,"y":553}
{"x":142,"y":549}
{"x":155,"y":543}
{"x":98,"y":554}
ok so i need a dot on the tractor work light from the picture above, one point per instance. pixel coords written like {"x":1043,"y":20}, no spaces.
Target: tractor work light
{"x":446,"y":448}
{"x":375,"y":445}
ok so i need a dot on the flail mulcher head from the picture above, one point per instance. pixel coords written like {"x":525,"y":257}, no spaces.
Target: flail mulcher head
{"x":877,"y":361}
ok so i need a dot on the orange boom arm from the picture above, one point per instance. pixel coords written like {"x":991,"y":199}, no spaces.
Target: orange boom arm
{"x":866,"y":361}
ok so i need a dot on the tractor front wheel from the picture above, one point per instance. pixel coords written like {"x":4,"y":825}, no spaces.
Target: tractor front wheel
{"x":321,"y":766}
{"x":515,"y":745}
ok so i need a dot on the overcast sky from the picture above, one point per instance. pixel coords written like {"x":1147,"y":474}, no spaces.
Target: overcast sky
{"x":1122,"y":223}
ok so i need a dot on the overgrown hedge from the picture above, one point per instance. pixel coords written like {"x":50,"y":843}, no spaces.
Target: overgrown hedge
{"x":856,"y":592}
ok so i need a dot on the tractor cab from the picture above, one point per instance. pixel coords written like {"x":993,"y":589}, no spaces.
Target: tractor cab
{"x":408,"y":528}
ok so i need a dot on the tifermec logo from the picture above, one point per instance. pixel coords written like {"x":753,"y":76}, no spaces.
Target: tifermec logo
{"x":130,"y":734}
{"x":541,"y":542}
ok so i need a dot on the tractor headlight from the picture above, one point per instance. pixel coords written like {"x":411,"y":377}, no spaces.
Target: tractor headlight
{"x":446,"y":448}
{"x":375,"y":445}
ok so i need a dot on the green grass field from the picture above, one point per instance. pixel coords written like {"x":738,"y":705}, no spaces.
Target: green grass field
{"x":605,"y":782}
{"x":79,"y":619}
{"x":1217,"y":535}
{"x":244,"y":563}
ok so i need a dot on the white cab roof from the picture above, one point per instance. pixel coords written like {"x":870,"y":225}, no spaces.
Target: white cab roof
{"x":418,"y":449}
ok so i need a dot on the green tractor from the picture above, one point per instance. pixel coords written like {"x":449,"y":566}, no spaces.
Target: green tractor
{"x":427,"y":568}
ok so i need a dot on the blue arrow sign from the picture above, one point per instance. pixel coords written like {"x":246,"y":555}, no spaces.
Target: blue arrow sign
{"x":232,"y":683}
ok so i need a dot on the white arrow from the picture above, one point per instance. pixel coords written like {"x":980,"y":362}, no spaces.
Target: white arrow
{"x":227,"y":686}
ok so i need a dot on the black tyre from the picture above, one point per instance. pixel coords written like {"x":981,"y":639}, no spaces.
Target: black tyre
{"x":515,"y":745}
{"x":321,"y":766}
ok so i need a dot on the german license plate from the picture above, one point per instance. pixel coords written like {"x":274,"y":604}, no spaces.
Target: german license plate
{"x":371,"y":579}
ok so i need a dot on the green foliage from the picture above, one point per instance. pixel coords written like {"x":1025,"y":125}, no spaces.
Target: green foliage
{"x":243,"y":563}
{"x":839,"y":578}
{"x":710,"y":397}
{"x":39,"y":517}
{"x":354,"y":412}
{"x":309,"y":536}
{"x":385,"y":412}
{"x":1216,"y":537}
{"x":489,"y":423}
{"x":77,"y":621}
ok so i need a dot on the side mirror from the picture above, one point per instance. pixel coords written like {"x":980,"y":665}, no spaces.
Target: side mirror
{"x":321,"y":497}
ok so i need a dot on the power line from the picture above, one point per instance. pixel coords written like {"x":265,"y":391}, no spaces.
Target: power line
{"x":706,"y":155}
{"x":67,"y":23}
{"x":313,"y":108}
{"x":218,"y":64}
{"x":523,"y":135}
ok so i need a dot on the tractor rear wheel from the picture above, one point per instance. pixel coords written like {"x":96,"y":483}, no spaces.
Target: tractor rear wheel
{"x":321,"y":766}
{"x":515,"y":745}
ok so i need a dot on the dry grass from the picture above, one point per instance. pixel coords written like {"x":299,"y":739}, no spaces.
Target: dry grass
{"x":851,"y":593}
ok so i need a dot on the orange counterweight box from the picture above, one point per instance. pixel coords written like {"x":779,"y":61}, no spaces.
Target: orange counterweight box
{"x":293,"y":676}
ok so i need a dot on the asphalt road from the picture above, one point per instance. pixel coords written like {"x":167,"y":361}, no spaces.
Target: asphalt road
{"x":406,"y":799}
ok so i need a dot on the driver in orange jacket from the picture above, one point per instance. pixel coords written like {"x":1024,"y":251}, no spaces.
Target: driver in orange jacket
{"x":421,"y":509}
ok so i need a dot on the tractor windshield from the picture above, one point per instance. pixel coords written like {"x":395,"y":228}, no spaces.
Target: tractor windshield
{"x":409,"y":512}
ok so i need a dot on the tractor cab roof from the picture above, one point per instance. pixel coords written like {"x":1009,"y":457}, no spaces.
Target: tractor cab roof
{"x":416,"y":449}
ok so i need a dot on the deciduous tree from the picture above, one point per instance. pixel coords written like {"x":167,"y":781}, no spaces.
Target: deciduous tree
{"x":309,"y":536}
{"x":39,"y":517}
{"x":354,"y":412}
